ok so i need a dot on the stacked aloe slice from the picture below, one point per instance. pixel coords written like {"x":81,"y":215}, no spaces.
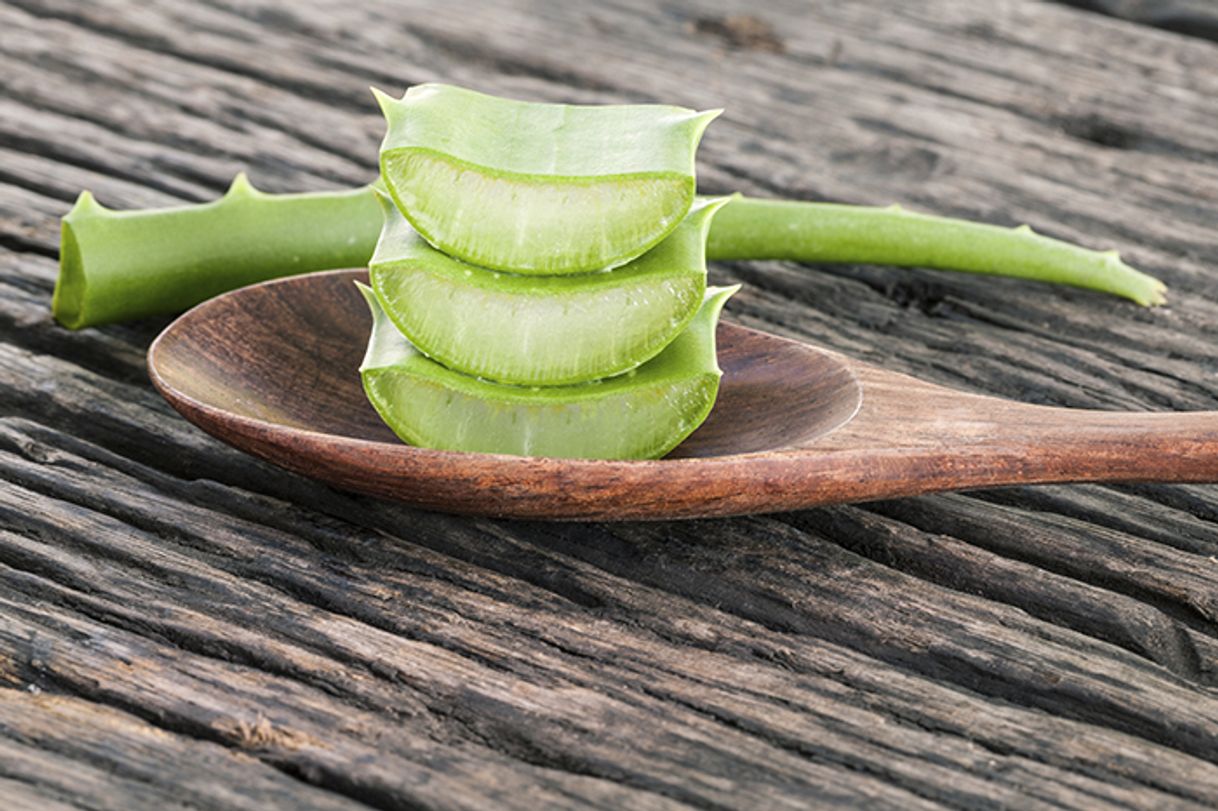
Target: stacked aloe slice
{"x":539,"y":286}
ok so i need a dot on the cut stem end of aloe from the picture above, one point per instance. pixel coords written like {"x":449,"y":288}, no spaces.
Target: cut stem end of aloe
{"x":124,"y":265}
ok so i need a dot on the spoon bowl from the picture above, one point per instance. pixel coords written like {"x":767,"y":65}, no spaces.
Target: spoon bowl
{"x":272,"y":369}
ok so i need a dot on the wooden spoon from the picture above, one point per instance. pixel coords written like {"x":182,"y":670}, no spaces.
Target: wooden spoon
{"x":272,"y":369}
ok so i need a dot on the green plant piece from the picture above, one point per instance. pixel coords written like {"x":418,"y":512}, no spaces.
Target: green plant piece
{"x":835,"y":233}
{"x":121,"y":265}
{"x":538,"y":188}
{"x":641,"y":414}
{"x":541,"y":330}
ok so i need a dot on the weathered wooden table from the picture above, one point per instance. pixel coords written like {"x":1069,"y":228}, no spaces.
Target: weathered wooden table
{"x":181,"y":625}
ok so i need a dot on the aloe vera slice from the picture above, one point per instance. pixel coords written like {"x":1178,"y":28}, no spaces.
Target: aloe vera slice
{"x":541,"y":330}
{"x":538,"y":188}
{"x":642,"y":414}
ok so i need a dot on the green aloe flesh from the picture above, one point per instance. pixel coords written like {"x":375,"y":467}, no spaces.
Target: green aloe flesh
{"x":537,"y":188}
{"x":642,"y":414}
{"x":541,"y":330}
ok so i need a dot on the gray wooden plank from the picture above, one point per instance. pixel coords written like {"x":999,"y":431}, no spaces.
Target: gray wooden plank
{"x":1038,"y":647}
{"x":1195,"y":18}
{"x":96,"y":757}
{"x":384,"y":590}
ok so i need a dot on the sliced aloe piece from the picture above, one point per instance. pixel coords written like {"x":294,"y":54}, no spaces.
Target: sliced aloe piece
{"x":538,"y":188}
{"x":638,"y":415}
{"x":541,"y":330}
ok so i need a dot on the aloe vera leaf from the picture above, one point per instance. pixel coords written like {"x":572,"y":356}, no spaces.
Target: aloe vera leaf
{"x":120,"y":265}
{"x":641,"y":414}
{"x":541,"y":330}
{"x":538,"y":188}
{"x":836,"y":233}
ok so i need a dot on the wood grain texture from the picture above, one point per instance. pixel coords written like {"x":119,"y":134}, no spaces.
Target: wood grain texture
{"x":1195,"y":18}
{"x":180,"y":621}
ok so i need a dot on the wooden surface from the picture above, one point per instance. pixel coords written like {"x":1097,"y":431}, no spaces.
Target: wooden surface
{"x":183,"y":626}
{"x":1196,"y":18}
{"x":793,"y":426}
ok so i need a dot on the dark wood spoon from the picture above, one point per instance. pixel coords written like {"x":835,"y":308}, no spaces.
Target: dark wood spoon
{"x":272,"y":369}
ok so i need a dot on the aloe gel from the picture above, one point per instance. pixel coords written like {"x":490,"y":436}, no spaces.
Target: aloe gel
{"x":642,"y":414}
{"x":537,"y":188}
{"x":541,"y":330}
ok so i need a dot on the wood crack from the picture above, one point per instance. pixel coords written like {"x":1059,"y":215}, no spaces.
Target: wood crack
{"x":946,"y":562}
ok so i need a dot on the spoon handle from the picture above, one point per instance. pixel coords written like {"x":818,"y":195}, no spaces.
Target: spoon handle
{"x":914,"y":437}
{"x":1056,"y":444}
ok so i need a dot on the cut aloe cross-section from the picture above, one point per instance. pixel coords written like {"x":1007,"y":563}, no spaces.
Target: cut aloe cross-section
{"x":538,"y":188}
{"x":541,"y":330}
{"x":642,"y":414}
